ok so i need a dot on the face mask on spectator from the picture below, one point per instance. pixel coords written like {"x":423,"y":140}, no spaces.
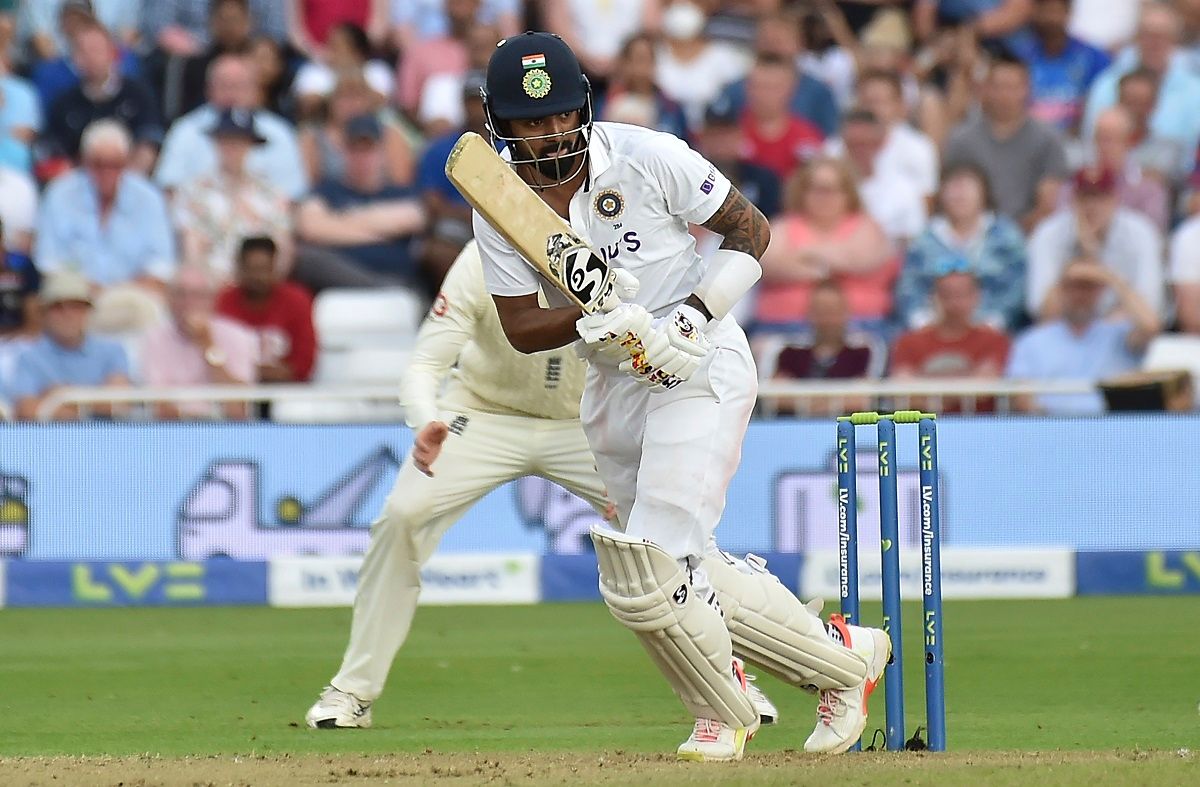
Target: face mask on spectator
{"x":682,"y":21}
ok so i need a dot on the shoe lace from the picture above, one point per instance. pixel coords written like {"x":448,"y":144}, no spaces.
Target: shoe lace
{"x":829,"y":705}
{"x":706,"y":731}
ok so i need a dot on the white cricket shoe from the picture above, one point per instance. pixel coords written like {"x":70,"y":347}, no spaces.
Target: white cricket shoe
{"x":336,"y":709}
{"x":713,"y":740}
{"x":767,"y":712}
{"x":842,"y":713}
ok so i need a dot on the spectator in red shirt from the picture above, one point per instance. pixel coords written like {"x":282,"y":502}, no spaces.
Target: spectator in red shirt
{"x":829,"y":351}
{"x":776,"y":137}
{"x":955,"y":344}
{"x":279,"y":311}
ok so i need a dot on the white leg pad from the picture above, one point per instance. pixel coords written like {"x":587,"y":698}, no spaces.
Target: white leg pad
{"x":647,"y":590}
{"x":773,"y":629}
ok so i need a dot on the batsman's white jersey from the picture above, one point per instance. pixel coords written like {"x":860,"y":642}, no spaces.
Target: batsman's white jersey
{"x":510,"y":415}
{"x":667,"y":457}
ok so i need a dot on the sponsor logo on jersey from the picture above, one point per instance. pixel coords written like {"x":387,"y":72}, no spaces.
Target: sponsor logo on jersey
{"x":609,"y":204}
{"x":536,"y":83}
{"x":710,"y":181}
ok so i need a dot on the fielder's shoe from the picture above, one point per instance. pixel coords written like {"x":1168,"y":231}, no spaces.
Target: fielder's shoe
{"x":842,"y":713}
{"x":337,"y":709}
{"x":715,"y":741}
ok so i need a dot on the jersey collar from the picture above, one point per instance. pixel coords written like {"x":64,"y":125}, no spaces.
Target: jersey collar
{"x":599,"y":156}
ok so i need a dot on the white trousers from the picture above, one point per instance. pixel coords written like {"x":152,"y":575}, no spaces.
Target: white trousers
{"x":490,"y":450}
{"x":667,"y":457}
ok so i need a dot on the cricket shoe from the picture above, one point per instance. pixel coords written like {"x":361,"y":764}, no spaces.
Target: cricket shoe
{"x":336,"y":709}
{"x":842,"y":713}
{"x":767,"y":712}
{"x":713,"y":740}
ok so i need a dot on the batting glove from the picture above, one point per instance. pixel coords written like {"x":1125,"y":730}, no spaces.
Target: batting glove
{"x":621,"y":287}
{"x":673,"y":351}
{"x":611,"y":334}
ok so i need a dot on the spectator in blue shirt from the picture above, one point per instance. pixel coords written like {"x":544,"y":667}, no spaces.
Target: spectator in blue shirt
{"x":449,"y":215}
{"x":965,"y":234}
{"x":66,"y":355}
{"x":105,"y":220}
{"x":1156,"y":48}
{"x":20,"y":119}
{"x":188,"y":152}
{"x":1061,"y":67}
{"x":811,"y":98}
{"x":46,"y":24}
{"x":357,"y":231}
{"x":1081,"y":345}
{"x":54,"y":73}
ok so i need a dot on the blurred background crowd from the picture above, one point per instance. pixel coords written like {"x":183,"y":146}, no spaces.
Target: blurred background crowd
{"x":957,"y":188}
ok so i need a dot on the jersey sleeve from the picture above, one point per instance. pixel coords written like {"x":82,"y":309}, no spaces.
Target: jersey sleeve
{"x":504,"y":272}
{"x":693,"y":188}
{"x":450,"y":325}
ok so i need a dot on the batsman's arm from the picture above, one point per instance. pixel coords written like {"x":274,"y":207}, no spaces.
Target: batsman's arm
{"x":733,"y":268}
{"x":530,"y":328}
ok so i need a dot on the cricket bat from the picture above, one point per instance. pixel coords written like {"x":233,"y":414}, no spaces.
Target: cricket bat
{"x":531,"y":227}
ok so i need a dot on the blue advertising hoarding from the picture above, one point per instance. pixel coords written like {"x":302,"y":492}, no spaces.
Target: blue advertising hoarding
{"x":178,"y":492}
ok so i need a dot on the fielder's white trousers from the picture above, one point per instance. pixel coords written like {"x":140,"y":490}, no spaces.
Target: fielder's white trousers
{"x":667,"y":457}
{"x":490,"y":450}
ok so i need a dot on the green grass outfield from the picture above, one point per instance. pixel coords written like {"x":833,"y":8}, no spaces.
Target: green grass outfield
{"x":1119,"y":676}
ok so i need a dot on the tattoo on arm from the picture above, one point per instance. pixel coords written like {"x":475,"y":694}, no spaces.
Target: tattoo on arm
{"x":743,"y":225}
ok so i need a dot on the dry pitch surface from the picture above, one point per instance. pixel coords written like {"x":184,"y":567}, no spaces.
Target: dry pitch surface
{"x":613,"y":768}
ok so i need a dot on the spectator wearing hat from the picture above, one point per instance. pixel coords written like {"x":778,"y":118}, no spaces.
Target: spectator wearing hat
{"x":1137,"y":188}
{"x":280,"y":312}
{"x":104,"y":219}
{"x":1023,"y":158}
{"x":1097,"y":227}
{"x":357,"y":231}
{"x":1082,"y":343}
{"x":449,"y":215}
{"x":197,"y":346}
{"x":965,"y":234}
{"x":188,"y":150}
{"x":955,"y":344}
{"x":723,"y":143}
{"x":103,"y":92}
{"x":214,"y":212}
{"x":65,"y":354}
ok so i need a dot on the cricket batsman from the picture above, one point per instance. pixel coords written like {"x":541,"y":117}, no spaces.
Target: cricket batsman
{"x":500,"y":415}
{"x":668,"y":394}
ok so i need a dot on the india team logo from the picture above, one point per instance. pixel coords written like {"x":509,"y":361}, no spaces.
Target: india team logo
{"x":536,"y":83}
{"x":609,"y":204}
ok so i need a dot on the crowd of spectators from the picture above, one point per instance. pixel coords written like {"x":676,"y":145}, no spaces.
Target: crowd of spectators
{"x":977,"y":188}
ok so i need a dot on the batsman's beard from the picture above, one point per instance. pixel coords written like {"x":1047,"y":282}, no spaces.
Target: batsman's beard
{"x":556,"y":169}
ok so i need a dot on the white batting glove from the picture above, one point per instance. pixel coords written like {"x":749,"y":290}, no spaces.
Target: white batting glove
{"x":622,"y":287}
{"x":673,"y":351}
{"x":610,"y":334}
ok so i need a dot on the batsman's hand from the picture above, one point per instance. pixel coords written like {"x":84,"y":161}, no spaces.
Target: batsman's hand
{"x":674,"y":350}
{"x":428,"y":445}
{"x":620,"y":288}
{"x":610,"y":334}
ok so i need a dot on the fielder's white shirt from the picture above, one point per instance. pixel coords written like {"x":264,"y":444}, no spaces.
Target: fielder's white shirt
{"x":643,"y":189}
{"x":462,"y":345}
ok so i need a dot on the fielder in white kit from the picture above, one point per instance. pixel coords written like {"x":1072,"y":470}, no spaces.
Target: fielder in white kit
{"x":665,"y":414}
{"x":500,"y":415}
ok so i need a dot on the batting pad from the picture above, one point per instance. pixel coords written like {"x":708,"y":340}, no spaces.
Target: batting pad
{"x":646,"y":590}
{"x":773,"y":629}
